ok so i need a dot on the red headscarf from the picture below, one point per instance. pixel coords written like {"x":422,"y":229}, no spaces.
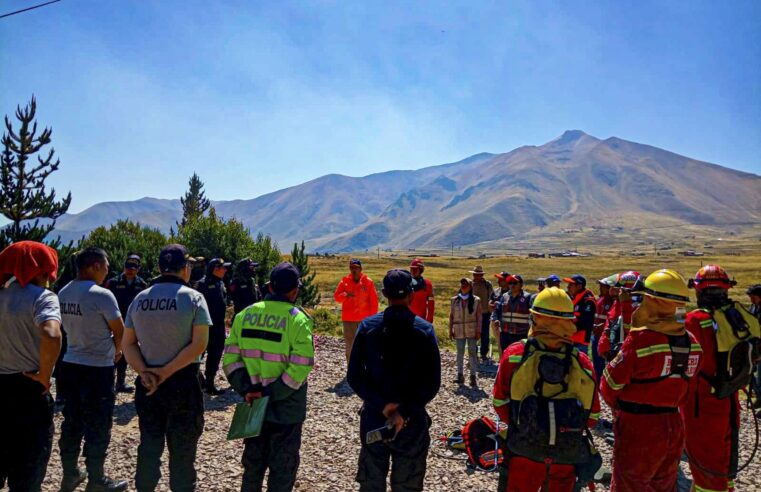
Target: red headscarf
{"x":26,"y":260}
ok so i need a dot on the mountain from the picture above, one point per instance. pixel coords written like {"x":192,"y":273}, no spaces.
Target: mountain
{"x":574,"y":181}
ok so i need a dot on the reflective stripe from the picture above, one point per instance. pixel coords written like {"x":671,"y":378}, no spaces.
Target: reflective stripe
{"x":514,"y":358}
{"x":231,"y":368}
{"x":499,"y":403}
{"x":608,"y":379}
{"x":654,"y":349}
{"x":594,"y":416}
{"x":589,"y":371}
{"x":601,"y":316}
{"x":290,"y":382}
{"x":268,"y":356}
{"x":695,"y":347}
{"x":552,"y":423}
{"x":262,"y":381}
{"x":302,"y":361}
{"x":232,"y":349}
{"x":702,"y":489}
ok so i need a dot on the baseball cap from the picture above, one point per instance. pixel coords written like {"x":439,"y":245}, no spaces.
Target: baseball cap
{"x":355,"y":261}
{"x":502,"y":275}
{"x":397,"y":283}
{"x":174,"y":257}
{"x":515,"y":278}
{"x":576,"y":279}
{"x":417,"y":262}
{"x":553,"y":279}
{"x":754,"y":290}
{"x":216,"y":262}
{"x":132,"y":260}
{"x":284,"y":278}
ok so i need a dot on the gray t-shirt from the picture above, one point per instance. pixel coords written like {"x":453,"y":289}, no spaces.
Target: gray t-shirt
{"x":22,"y":311}
{"x":163,"y":316}
{"x":86,"y":310}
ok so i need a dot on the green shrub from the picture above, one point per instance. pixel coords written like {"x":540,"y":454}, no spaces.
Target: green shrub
{"x":327,"y":322}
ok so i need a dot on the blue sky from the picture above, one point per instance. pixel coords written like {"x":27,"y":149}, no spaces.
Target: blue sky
{"x":257,"y":96}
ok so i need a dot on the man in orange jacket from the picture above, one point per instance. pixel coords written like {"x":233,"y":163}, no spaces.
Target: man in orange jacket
{"x":645,"y":385}
{"x":358,"y":298}
{"x":422,"y":292}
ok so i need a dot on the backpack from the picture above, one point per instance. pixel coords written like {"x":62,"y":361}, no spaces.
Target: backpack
{"x":680,"y":347}
{"x":738,"y":348}
{"x":482,"y":443}
{"x":551,"y":397}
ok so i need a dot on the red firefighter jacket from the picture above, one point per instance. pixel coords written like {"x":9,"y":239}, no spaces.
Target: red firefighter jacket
{"x":645,"y":354}
{"x":584,"y":316}
{"x":511,"y":358}
{"x":602,"y":307}
{"x":423,"y":302}
{"x":619,"y":309}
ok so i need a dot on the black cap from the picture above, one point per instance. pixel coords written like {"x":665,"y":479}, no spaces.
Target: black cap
{"x":216,"y":262}
{"x":132,"y":260}
{"x":355,"y":261}
{"x":174,"y":257}
{"x":284,"y":278}
{"x":754,"y":290}
{"x":576,"y":279}
{"x":397,"y":283}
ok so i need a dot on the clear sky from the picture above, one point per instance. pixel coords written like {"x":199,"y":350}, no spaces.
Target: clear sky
{"x":257,"y":96}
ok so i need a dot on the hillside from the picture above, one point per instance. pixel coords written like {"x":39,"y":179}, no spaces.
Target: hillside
{"x":574,"y":181}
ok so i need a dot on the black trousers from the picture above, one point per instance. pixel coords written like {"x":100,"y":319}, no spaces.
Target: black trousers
{"x":276,"y":449}
{"x":121,"y":370}
{"x":507,"y":339}
{"x":214,"y":350}
{"x":88,"y":412}
{"x":26,"y":432}
{"x":406,"y":455}
{"x":173,"y":414}
{"x":485,"y":333}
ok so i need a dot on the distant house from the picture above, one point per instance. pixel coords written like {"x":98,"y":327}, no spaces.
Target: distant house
{"x":692,"y":252}
{"x":536,"y":255}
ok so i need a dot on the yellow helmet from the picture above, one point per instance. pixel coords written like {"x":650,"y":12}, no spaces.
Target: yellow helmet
{"x":667,"y":284}
{"x":553,"y":302}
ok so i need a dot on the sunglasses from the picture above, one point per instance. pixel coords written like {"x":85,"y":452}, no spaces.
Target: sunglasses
{"x":131,"y":267}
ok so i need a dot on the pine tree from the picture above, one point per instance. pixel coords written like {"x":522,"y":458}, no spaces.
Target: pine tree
{"x":23,"y":197}
{"x":309,"y":295}
{"x":194,"y":203}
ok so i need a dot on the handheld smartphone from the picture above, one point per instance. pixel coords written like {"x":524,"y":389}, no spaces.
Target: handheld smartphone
{"x":382,"y":434}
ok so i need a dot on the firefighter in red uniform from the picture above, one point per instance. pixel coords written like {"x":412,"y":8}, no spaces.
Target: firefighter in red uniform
{"x":583,"y":310}
{"x":603,"y":306}
{"x":543,"y":375}
{"x":619,"y":320}
{"x":712,"y":411}
{"x":645,"y":385}
{"x":422,"y":296}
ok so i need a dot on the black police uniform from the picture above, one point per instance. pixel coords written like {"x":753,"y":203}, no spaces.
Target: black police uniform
{"x":395,"y":358}
{"x":244,"y":292}
{"x":125,"y":293}
{"x":213,"y":290}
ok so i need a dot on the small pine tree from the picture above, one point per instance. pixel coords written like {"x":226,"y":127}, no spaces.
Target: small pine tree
{"x":309,"y":295}
{"x":23,"y":197}
{"x":194,"y":203}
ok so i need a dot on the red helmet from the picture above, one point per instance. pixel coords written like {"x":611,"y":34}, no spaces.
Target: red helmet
{"x":626,"y":280}
{"x":712,"y":276}
{"x":417,"y":262}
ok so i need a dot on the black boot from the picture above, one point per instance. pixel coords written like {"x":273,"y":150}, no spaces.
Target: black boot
{"x":105,"y":484}
{"x":210,"y":389}
{"x":122,"y":387}
{"x":460,"y":379}
{"x":71,"y":481}
{"x":473,"y":381}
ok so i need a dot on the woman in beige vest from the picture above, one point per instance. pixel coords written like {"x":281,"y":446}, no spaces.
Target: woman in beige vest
{"x":465,"y":328}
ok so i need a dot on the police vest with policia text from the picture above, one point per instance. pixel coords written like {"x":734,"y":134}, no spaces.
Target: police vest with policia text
{"x":551,"y":397}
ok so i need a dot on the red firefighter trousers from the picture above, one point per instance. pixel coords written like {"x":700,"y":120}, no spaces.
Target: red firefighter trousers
{"x":647,"y":452}
{"x":526,"y":475}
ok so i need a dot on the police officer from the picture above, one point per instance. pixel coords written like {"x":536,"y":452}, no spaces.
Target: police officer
{"x":270,"y":352}
{"x":212,"y":286}
{"x":125,"y":287}
{"x":395,"y":369}
{"x":167,"y":329}
{"x":243,"y":288}
{"x":30,"y":341}
{"x":94,"y":328}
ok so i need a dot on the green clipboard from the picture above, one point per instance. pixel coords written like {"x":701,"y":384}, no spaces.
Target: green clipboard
{"x":247,"y":420}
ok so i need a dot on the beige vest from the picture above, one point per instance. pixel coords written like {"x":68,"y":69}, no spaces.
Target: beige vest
{"x":465,"y":324}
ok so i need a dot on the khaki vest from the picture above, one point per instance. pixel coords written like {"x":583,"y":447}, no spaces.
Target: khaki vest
{"x":464,"y":323}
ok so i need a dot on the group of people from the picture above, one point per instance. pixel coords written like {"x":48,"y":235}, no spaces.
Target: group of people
{"x":671,"y":378}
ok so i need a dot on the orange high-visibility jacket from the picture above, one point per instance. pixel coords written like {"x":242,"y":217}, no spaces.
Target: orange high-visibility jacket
{"x":362,"y":302}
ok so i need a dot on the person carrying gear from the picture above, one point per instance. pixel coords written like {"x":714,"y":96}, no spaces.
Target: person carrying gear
{"x":754,"y":296}
{"x":645,"y":385}
{"x":212,"y":286}
{"x":584,"y":310}
{"x":395,"y":369}
{"x":484,"y":290}
{"x":423,"y":302}
{"x":358,"y":299}
{"x":628,"y":295}
{"x":511,"y":313}
{"x":166,"y":331}
{"x":729,"y":335}
{"x":94,"y":328}
{"x":603,"y":306}
{"x":30,"y":341}
{"x":270,"y":352}
{"x":243,"y":289}
{"x":545,"y":390}
{"x":465,"y":329}
{"x":125,"y":287}
{"x":501,"y":289}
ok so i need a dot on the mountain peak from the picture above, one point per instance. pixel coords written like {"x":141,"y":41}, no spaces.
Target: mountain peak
{"x":571,"y":139}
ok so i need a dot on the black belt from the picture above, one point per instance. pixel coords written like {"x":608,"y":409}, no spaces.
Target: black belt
{"x":644,"y":408}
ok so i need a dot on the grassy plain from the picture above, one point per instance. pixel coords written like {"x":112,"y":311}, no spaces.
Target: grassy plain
{"x":445,"y":272}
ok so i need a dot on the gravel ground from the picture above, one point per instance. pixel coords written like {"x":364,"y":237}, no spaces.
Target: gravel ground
{"x":330,"y":444}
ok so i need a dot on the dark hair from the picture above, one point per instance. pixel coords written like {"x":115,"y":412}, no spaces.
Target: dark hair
{"x":89,"y":257}
{"x":471,"y":298}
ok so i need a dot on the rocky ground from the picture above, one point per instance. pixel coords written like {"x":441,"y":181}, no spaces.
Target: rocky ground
{"x":331,"y":443}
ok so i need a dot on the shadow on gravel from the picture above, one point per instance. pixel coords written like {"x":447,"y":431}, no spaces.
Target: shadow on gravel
{"x":124,"y":412}
{"x":341,"y":389}
{"x":473,"y":395}
{"x":222,"y":402}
